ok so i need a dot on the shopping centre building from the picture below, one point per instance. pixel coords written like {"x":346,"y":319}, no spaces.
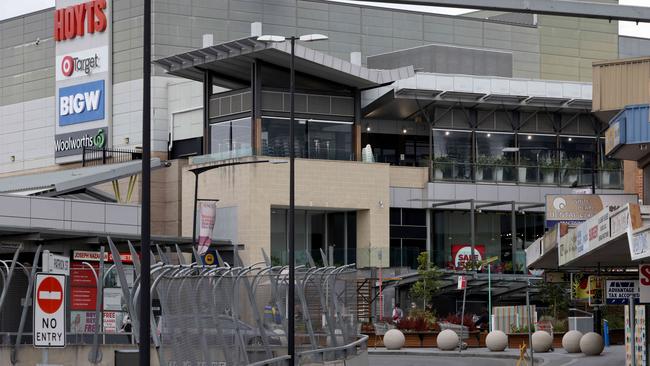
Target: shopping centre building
{"x":486,"y":109}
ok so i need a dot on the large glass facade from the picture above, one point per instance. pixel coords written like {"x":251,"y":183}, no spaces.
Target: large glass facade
{"x":314,"y":139}
{"x":334,"y":233}
{"x":452,"y":151}
{"x":492,"y":163}
{"x":451,"y":242}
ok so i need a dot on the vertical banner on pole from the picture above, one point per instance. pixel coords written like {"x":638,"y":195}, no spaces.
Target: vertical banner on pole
{"x":207,"y":215}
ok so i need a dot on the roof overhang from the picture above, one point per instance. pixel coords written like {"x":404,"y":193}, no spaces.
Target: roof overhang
{"x":407,"y":97}
{"x":71,"y":180}
{"x":233,"y":59}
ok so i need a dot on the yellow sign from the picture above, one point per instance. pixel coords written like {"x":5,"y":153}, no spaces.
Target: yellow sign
{"x":490,"y":260}
{"x":208,"y":259}
{"x":612,"y":137}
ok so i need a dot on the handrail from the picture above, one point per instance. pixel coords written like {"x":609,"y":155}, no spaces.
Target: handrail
{"x":270,"y":361}
{"x":364,"y":338}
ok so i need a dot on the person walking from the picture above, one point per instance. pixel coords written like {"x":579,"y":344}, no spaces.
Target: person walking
{"x":398,"y":314}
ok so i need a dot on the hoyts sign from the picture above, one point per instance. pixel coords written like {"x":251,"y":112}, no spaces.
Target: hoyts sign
{"x":77,"y":20}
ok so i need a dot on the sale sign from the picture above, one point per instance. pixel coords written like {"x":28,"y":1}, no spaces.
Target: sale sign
{"x":644,"y":283}
{"x":462,"y":254}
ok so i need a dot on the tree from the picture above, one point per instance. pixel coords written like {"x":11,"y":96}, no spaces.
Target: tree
{"x":429,"y":282}
{"x":555,"y":296}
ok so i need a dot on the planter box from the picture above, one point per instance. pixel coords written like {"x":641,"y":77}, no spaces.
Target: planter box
{"x":473,"y":339}
{"x":430,"y":339}
{"x":412,"y":340}
{"x":557,"y":340}
{"x":374,"y":340}
{"x":516,"y":339}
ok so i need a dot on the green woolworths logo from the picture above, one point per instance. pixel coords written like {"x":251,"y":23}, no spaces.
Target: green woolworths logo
{"x":99,"y":140}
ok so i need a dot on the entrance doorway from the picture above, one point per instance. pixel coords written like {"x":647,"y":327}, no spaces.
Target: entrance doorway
{"x":333,"y":232}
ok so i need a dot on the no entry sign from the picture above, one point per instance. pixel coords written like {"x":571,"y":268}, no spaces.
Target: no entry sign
{"x":49,"y":310}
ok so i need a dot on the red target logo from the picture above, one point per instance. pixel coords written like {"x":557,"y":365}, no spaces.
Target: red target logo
{"x":67,"y":65}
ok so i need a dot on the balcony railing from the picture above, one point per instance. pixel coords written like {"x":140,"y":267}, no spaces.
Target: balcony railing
{"x":92,"y":156}
{"x":525,"y":174}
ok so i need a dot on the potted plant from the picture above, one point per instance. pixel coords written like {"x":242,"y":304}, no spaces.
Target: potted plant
{"x":442,"y":167}
{"x":572,"y":167}
{"x":483,"y":166}
{"x":499,"y":164}
{"x":548,"y":167}
{"x":522,"y":170}
{"x":609,"y":168}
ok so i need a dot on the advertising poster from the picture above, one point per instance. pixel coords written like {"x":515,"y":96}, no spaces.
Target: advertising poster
{"x":113,"y":279}
{"x":113,"y":321}
{"x":628,"y":337}
{"x":83,"y":298}
{"x":585,"y":287}
{"x":113,"y":299}
{"x":207,"y":214}
{"x":82,"y":322}
{"x":640,"y":336}
{"x":462,"y":253}
{"x":82,"y":275}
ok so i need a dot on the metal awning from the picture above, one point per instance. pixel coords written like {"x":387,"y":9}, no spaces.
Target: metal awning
{"x":233,"y":60}
{"x":406,"y":97}
{"x":71,"y":180}
{"x":614,"y":253}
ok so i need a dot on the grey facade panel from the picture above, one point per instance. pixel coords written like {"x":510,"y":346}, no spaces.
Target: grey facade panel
{"x":629,"y":47}
{"x":448,"y":60}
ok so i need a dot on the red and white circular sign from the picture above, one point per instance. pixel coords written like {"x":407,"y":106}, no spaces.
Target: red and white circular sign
{"x":67,"y":65}
{"x":49,"y":295}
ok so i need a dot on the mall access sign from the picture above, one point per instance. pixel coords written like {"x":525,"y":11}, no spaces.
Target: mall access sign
{"x":49,"y":310}
{"x":573,"y":209}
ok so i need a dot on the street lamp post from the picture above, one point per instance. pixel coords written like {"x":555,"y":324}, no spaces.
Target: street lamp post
{"x":291,"y":347}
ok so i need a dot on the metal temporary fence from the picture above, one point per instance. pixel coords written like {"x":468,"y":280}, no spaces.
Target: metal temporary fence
{"x":238,"y":315}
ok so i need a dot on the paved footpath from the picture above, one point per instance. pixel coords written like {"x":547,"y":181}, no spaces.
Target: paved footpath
{"x":612,"y":356}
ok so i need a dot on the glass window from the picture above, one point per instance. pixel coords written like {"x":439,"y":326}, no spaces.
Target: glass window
{"x":452,"y":154}
{"x":536,"y":148}
{"x":329,"y":140}
{"x":231,"y":138}
{"x":314,"y":139}
{"x":492,"y":164}
{"x":577,"y":156}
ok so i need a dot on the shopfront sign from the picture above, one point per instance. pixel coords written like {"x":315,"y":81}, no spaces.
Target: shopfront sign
{"x":639,"y":243}
{"x":644,"y":283}
{"x":83,"y":76}
{"x":49,"y":310}
{"x":72,"y":143}
{"x":619,"y":291}
{"x":625,"y":219}
{"x":54,"y":263}
{"x":76,"y":20}
{"x":89,"y":256}
{"x":462,"y":282}
{"x":82,"y":63}
{"x":574,"y":209}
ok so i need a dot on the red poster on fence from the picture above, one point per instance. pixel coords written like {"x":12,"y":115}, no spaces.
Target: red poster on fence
{"x":81,"y":275}
{"x":83,"y":298}
{"x":462,"y":253}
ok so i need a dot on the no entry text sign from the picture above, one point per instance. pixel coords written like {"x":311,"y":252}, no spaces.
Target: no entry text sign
{"x":49,"y":311}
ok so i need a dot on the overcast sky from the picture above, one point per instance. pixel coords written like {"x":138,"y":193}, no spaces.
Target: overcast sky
{"x":10,"y":9}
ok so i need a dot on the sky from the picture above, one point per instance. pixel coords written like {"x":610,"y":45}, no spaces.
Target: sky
{"x":10,"y":9}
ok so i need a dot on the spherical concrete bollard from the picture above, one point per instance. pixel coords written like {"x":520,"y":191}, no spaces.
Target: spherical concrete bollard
{"x":542,"y":341}
{"x":447,"y":340}
{"x":394,"y":339}
{"x":571,"y":341}
{"x":591,"y":344}
{"x":496,"y":341}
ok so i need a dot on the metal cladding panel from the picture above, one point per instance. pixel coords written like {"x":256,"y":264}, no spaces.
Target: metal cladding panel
{"x":637,"y":125}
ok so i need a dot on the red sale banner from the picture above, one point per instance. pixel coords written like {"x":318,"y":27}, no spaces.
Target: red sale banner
{"x":462,"y":253}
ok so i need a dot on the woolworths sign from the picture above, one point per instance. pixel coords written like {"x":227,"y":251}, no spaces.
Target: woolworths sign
{"x":68,"y":144}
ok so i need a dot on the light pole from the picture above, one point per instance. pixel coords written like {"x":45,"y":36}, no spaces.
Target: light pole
{"x":291,"y":347}
{"x":198,"y":171}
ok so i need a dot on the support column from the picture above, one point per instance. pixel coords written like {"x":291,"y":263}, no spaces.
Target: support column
{"x":207,"y":92}
{"x":356,"y":128}
{"x":513,"y":233}
{"x":256,"y":107}
{"x":429,"y":236}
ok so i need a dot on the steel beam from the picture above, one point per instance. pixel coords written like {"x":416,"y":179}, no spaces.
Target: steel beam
{"x":570,"y":8}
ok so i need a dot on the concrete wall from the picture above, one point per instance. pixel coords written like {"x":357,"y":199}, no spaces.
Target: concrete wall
{"x":71,"y":355}
{"x":251,"y":190}
{"x":629,"y":47}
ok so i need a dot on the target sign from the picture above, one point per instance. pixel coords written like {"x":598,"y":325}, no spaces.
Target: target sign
{"x":67,"y":65}
{"x":49,"y":310}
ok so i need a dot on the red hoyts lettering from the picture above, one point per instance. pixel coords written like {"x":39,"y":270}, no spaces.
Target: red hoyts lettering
{"x":77,"y":20}
{"x":645,"y":275}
